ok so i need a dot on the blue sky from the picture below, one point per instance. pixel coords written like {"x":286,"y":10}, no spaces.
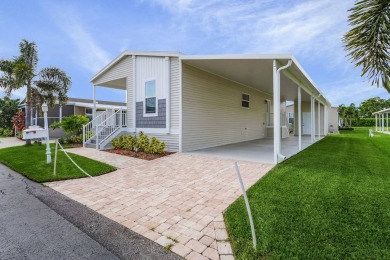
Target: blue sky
{"x":81,"y":37}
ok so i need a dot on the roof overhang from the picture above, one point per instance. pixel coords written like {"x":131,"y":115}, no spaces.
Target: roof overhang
{"x":256,"y":71}
{"x":386,"y":110}
{"x":130,"y":53}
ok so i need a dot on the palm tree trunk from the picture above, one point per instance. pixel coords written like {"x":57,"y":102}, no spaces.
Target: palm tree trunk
{"x":28,"y":107}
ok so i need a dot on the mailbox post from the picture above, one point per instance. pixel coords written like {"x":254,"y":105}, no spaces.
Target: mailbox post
{"x":48,"y":153}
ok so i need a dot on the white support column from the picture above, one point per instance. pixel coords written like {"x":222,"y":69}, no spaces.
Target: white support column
{"x":31,"y":115}
{"x":387,"y":121}
{"x":36,"y":115}
{"x":168,"y":100}
{"x":299,"y":119}
{"x":276,"y":99}
{"x":60,"y":113}
{"x":312,"y":119}
{"x":94,"y":102}
{"x":376,"y":122}
{"x":325,"y":120}
{"x":319,"y":120}
{"x":134,"y":61}
{"x":383,"y":122}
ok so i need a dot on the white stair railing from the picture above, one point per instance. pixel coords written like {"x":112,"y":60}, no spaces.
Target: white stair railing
{"x":114,"y":122}
{"x":89,"y":130}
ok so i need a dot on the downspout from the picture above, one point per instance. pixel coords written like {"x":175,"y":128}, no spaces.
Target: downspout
{"x":277,"y":134}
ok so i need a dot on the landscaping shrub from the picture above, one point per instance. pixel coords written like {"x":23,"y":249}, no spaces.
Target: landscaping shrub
{"x":71,"y":124}
{"x":6,"y":132}
{"x":363,"y":122}
{"x":75,"y":139}
{"x":140,"y":143}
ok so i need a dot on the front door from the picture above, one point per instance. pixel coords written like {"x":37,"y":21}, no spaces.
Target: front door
{"x":306,"y":123}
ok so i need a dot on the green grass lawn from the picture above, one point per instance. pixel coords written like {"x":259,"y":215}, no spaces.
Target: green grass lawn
{"x":331,"y":201}
{"x":31,"y":162}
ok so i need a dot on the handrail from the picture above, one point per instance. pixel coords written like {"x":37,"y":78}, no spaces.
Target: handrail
{"x":103,"y":126}
{"x":108,"y":127}
{"x":89,"y":129}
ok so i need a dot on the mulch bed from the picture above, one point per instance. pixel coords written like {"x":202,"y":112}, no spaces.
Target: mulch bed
{"x":139,"y":155}
{"x":74,"y":145}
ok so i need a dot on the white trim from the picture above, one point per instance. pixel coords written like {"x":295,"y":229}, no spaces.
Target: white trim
{"x":180,"y":107}
{"x":249,"y":100}
{"x":157,"y":130}
{"x":134,"y":61}
{"x":134,"y":53}
{"x":168,"y":97}
{"x":299,"y":123}
{"x":144,"y":98}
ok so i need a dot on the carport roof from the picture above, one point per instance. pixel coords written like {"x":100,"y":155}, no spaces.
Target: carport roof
{"x":251,"y":70}
{"x":256,"y":71}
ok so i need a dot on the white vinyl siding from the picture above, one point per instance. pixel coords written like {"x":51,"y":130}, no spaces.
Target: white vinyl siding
{"x":175,"y":93}
{"x":212,"y":112}
{"x":151,"y":68}
{"x":121,"y":70}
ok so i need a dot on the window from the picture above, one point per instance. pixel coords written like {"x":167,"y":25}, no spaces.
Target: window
{"x":291,"y":117}
{"x":88,"y":113}
{"x":245,"y":100}
{"x":150,"y":97}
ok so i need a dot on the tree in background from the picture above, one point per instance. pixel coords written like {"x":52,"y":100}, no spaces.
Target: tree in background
{"x":47,"y":85}
{"x":371,"y":105}
{"x":8,"y":108}
{"x":368,"y":42}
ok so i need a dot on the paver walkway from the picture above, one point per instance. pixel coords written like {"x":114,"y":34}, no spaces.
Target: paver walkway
{"x":176,"y":201}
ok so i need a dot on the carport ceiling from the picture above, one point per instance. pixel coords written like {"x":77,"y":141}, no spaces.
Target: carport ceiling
{"x":255,"y":73}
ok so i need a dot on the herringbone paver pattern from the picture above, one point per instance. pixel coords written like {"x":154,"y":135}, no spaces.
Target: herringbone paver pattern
{"x":176,"y":201}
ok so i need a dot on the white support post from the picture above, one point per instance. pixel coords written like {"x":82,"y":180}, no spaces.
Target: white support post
{"x":299,"y":119}
{"x":31,"y":115}
{"x":168,"y":98}
{"x":60,"y":113}
{"x":325,"y":120}
{"x":383,"y":122}
{"x":312,"y":118}
{"x":387,"y":121}
{"x":276,"y":96}
{"x":276,"y":99}
{"x":94,"y":102}
{"x":134,"y":86}
{"x":319,"y":120}
{"x":376,"y":122}
{"x":36,"y":115}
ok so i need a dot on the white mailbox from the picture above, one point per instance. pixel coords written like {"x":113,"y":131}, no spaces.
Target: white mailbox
{"x":34,"y":132}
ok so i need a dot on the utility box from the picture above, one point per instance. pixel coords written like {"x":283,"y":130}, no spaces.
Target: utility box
{"x":34,"y":132}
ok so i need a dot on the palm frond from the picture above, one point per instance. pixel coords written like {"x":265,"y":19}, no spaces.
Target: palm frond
{"x":368,"y":42}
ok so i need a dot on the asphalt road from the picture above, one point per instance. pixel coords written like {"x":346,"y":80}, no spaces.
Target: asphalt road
{"x":37,"y":222}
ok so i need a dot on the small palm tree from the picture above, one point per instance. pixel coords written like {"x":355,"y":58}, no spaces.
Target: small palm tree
{"x":368,"y":42}
{"x":47,"y":85}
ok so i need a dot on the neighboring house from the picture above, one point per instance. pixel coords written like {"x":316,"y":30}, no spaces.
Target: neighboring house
{"x":193,"y":102}
{"x":333,"y":119}
{"x":74,"y":106}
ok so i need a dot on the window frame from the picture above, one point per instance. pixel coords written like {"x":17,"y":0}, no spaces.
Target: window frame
{"x":145,"y":97}
{"x":243,"y":100}
{"x":87,"y":114}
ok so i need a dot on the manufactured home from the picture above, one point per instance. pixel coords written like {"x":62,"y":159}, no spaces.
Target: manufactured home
{"x":198,"y":102}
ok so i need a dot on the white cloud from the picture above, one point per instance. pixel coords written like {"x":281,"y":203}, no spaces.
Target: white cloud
{"x":89,"y":54}
{"x":309,"y":29}
{"x":348,"y":91}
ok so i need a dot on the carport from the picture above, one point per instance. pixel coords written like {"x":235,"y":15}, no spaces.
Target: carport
{"x":281,"y":77}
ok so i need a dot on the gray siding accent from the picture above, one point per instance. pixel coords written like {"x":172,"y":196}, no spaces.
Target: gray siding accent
{"x":212,"y":112}
{"x":175,"y":93}
{"x":158,"y":121}
{"x":121,"y":69}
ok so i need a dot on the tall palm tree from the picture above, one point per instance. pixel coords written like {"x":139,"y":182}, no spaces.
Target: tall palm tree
{"x":47,"y":85}
{"x":368,"y":42}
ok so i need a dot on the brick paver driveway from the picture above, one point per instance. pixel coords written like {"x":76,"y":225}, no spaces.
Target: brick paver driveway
{"x":176,"y":201}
